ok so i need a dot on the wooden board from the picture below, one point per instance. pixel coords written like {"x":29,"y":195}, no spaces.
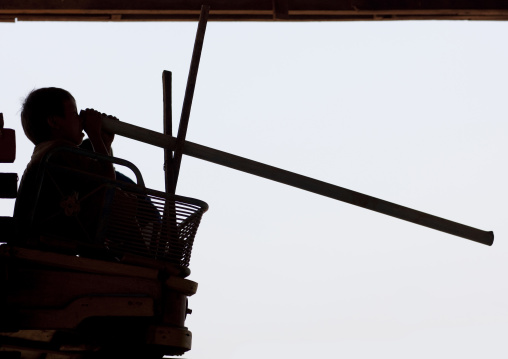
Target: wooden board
{"x":252,"y":10}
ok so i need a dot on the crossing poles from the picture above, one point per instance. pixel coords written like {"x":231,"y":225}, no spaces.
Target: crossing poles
{"x":300,"y":181}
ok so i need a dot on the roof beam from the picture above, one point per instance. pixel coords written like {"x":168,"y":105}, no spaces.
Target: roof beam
{"x":252,"y":10}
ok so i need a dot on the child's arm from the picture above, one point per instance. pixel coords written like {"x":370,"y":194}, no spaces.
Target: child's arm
{"x":92,"y":124}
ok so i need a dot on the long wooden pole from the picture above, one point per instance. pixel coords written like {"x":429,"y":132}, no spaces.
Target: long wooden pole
{"x":189,"y":92}
{"x":302,"y":182}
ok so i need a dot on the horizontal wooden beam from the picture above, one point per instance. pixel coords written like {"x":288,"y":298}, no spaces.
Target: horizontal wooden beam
{"x":252,"y":10}
{"x":299,"y":181}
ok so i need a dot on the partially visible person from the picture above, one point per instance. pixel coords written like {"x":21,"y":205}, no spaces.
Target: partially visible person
{"x":50,"y":119}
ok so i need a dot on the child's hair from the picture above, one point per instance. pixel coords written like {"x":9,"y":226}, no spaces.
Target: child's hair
{"x":40,"y":105}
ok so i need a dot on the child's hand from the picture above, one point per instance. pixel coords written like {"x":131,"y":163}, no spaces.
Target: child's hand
{"x":92,"y":122}
{"x":108,"y":137}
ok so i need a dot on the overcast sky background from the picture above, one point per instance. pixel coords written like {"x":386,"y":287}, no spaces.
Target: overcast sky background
{"x":410,"y":112}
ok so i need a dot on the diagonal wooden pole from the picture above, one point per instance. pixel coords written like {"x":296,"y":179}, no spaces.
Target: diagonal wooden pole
{"x":302,"y":182}
{"x":189,"y":92}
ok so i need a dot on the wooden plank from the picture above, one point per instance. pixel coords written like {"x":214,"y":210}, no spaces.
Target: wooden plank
{"x":135,"y":5}
{"x":254,"y":18}
{"x":250,"y":10}
{"x":78,"y":263}
{"x":303,"y":182}
{"x":82,"y":6}
{"x":372,"y":5}
{"x":55,"y":288}
{"x":86,"y":307}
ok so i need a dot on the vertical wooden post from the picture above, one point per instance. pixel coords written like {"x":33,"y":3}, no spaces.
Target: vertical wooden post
{"x":169,"y":169}
{"x":169,"y":222}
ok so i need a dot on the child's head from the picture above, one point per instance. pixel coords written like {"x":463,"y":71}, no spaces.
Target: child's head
{"x":50,"y":114}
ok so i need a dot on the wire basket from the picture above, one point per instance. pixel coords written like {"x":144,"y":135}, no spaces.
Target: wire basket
{"x":150,"y":223}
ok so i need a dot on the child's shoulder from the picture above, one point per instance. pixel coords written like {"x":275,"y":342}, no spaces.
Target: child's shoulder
{"x":45,"y":147}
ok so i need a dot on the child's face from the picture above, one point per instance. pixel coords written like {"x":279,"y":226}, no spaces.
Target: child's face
{"x":70,"y":127}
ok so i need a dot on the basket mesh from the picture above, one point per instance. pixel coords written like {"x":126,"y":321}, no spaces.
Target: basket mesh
{"x":151,"y":224}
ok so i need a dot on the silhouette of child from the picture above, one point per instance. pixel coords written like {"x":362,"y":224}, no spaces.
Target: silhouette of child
{"x":50,"y":120}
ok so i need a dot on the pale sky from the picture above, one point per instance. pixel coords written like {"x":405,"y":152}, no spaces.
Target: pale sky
{"x":410,"y":112}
